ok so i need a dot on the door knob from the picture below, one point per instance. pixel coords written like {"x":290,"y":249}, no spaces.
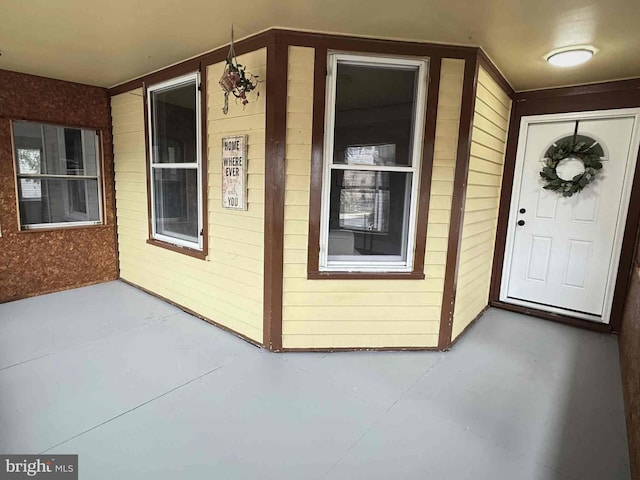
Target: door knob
{"x":521,"y":222}
{"x":522,"y":210}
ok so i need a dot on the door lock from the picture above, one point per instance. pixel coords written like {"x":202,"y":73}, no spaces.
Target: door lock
{"x":522,"y":210}
{"x":520,"y":222}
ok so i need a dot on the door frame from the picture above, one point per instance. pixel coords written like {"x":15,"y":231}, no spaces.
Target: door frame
{"x":598,"y":96}
{"x":614,"y":262}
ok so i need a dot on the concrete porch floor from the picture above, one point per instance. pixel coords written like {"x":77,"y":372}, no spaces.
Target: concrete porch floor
{"x":140,"y":389}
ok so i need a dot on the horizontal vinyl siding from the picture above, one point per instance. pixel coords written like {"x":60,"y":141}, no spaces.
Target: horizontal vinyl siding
{"x":362,"y":313}
{"x":227,"y":287}
{"x":489,"y":136}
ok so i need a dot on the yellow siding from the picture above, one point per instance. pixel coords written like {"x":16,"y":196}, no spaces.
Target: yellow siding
{"x":227,"y":287}
{"x":362,"y":313}
{"x":489,"y":135}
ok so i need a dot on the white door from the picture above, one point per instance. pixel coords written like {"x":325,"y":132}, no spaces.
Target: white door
{"x":562,"y":253}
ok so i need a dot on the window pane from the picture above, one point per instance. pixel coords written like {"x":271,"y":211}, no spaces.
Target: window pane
{"x":368,"y":213}
{"x":173,"y":134}
{"x":176,"y":203}
{"x":53,"y":200}
{"x":374,"y":114}
{"x":42,"y":149}
{"x":54,"y":150}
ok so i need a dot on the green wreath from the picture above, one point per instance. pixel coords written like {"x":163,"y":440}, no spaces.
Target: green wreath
{"x":556,"y":154}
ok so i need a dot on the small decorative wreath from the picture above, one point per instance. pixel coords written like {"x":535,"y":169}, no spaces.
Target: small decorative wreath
{"x":556,"y":154}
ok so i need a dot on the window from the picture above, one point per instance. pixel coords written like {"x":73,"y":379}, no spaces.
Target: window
{"x":58,"y":173}
{"x":175,"y":163}
{"x":373,"y":145}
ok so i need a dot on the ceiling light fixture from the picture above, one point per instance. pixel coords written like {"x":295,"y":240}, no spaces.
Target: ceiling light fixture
{"x":571,"y":56}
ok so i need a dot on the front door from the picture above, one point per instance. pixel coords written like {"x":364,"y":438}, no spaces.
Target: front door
{"x":562,"y":252}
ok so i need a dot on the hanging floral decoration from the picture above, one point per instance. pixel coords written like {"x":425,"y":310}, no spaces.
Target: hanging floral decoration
{"x":562,"y":151}
{"x":236,"y":80}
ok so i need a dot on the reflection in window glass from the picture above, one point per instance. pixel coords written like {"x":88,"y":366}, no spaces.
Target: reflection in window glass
{"x":30,"y":188}
{"x":364,"y":201}
{"x":369,"y":210}
{"x":29,"y":162}
{"x":371,"y":155}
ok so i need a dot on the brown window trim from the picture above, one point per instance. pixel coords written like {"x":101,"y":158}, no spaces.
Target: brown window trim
{"x":424,"y":188}
{"x":189,"y":67}
{"x":191,"y":252}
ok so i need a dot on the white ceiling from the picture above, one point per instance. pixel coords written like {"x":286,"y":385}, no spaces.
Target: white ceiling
{"x":106,"y":42}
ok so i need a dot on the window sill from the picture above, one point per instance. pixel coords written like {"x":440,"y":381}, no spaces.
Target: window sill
{"x":365,"y":276}
{"x":61,"y":228}
{"x":175,"y":248}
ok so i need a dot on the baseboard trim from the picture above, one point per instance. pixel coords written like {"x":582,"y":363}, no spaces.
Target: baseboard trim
{"x":359,"y":349}
{"x":554,"y":317}
{"x":195,"y":314}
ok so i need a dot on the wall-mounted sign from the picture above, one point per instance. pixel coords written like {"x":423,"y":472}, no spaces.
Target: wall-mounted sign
{"x":234,"y":172}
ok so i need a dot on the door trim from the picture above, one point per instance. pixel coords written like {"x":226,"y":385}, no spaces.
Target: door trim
{"x":614,"y":263}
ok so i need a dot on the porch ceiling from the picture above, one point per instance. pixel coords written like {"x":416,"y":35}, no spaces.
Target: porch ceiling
{"x":106,"y":42}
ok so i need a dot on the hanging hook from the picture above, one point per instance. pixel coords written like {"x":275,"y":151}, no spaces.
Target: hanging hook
{"x":232,"y":51}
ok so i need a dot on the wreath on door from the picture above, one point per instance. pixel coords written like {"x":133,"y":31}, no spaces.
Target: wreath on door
{"x":562,"y":151}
